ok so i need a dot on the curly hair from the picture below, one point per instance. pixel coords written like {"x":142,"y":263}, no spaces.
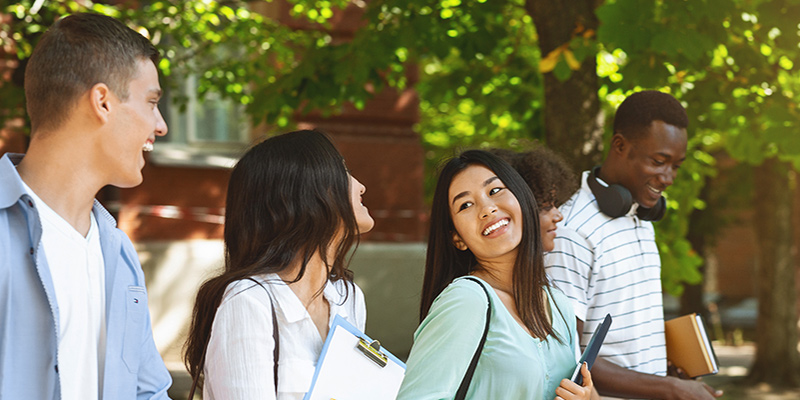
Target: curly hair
{"x":550,"y":178}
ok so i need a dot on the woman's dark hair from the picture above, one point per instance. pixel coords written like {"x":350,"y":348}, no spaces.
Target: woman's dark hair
{"x":444,"y":262}
{"x":547,"y":174}
{"x":288,"y":199}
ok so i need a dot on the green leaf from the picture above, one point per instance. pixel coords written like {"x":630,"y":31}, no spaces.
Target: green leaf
{"x":562,"y":70}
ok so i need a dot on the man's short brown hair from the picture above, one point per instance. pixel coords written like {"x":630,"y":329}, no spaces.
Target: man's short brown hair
{"x":76,"y":53}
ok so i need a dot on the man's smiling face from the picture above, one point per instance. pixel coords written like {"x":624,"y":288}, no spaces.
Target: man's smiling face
{"x":652,"y":162}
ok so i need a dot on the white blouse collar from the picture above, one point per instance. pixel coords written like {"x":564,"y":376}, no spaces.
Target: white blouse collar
{"x":292,"y":308}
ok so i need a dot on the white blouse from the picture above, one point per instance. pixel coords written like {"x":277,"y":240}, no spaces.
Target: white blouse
{"x":239,"y":359}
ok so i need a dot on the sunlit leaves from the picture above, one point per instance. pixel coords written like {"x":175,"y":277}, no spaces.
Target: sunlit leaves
{"x":608,"y":64}
{"x":482,"y":87}
{"x":785,"y":63}
{"x":478,"y":71}
{"x":319,"y":11}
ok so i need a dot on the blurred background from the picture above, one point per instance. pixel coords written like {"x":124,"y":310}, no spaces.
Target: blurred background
{"x":401,"y":84}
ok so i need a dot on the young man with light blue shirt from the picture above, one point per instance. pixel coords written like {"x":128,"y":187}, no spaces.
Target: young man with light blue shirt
{"x":73,"y":303}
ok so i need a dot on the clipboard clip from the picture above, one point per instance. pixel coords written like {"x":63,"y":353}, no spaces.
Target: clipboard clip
{"x":372,"y":351}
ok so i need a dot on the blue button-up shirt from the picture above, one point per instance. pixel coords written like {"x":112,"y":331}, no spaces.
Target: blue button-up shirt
{"x":29,"y":311}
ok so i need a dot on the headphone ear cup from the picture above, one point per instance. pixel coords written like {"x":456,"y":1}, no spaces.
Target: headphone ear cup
{"x":614,"y":201}
{"x":655,"y":213}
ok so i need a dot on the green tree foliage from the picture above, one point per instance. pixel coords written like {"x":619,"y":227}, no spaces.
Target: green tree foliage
{"x":731,"y":61}
{"x":271,"y":67}
{"x":478,"y":69}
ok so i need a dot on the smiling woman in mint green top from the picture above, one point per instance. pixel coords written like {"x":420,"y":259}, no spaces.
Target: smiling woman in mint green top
{"x":513,"y":365}
{"x":484,"y":223}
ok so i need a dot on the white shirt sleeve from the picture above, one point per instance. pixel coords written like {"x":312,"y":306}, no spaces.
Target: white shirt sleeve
{"x":239,"y":360}
{"x":569,"y":267}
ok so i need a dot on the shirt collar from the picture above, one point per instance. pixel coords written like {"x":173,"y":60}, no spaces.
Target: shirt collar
{"x":101,"y":212}
{"x":292,"y":308}
{"x":335,"y":294}
{"x":10,"y":181}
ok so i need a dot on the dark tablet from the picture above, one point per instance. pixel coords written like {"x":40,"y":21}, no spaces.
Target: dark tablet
{"x":590,"y":353}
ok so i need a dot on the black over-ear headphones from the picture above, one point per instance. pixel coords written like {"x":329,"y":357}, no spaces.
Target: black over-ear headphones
{"x":615,"y":201}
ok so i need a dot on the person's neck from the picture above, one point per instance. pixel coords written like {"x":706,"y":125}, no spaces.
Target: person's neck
{"x":608,"y":173}
{"x":499,"y":275}
{"x":308,"y":288}
{"x":55,"y":170}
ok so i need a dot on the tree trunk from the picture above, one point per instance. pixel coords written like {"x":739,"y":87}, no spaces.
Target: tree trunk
{"x":698,"y":234}
{"x":692,"y":298}
{"x":777,"y":361}
{"x":573,"y":119}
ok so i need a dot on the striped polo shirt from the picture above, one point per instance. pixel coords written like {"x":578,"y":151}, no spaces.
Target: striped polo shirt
{"x":611,"y":265}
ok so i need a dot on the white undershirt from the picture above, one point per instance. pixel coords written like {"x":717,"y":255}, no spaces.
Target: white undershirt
{"x":77,"y":268}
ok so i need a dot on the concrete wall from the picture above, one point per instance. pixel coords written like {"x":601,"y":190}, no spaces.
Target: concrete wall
{"x":390,"y":274}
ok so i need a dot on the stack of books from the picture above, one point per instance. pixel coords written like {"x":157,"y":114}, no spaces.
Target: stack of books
{"x":688,"y":347}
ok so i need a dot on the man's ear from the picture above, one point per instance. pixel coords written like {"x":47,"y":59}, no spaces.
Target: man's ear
{"x":458,"y":242}
{"x":100,"y":100}
{"x":619,"y":144}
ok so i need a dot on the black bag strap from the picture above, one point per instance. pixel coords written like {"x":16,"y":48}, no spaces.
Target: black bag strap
{"x":276,"y":352}
{"x":462,"y":389}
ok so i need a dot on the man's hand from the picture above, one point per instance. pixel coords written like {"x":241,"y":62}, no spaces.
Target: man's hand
{"x":687,"y":389}
{"x":612,"y":380}
{"x":673,"y":370}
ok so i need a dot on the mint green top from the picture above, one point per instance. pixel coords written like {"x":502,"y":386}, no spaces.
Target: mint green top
{"x":513,"y":365}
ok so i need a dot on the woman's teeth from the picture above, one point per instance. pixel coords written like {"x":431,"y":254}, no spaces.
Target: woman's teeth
{"x":495,"y":226}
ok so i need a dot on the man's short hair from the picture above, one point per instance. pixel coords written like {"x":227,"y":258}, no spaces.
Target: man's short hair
{"x":640,"y":109}
{"x":76,"y":53}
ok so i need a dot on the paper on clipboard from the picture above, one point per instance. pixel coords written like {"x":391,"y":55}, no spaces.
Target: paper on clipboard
{"x":344,"y":372}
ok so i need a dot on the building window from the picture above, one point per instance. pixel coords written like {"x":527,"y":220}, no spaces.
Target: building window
{"x":208,"y":132}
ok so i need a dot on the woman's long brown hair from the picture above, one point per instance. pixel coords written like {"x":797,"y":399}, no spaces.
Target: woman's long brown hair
{"x":288,"y":199}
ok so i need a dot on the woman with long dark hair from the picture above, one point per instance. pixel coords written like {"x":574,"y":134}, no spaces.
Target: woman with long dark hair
{"x":293,"y":212}
{"x":484,"y":250}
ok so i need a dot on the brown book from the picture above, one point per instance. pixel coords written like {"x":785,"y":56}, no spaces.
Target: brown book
{"x":688,"y":346}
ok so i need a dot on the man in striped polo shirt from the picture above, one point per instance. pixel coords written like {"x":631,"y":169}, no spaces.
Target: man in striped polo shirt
{"x":605,"y":257}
